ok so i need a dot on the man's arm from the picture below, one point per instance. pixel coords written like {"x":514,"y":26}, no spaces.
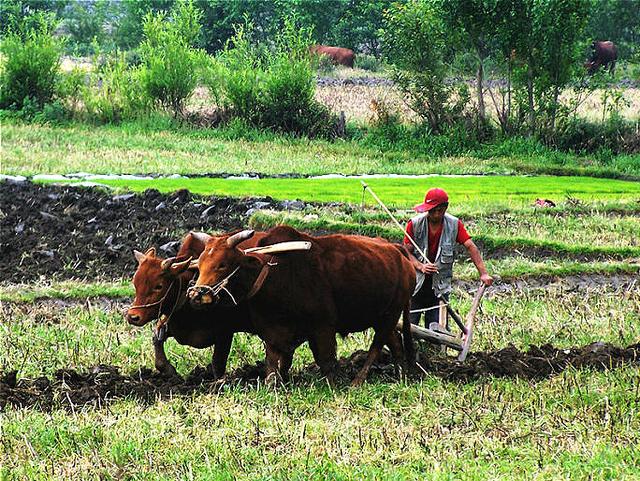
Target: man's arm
{"x":476,"y":257}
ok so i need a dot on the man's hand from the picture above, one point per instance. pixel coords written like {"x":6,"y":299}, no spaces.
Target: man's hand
{"x":428,"y":268}
{"x":486,"y":279}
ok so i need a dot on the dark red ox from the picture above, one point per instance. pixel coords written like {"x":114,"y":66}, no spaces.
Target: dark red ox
{"x":338,"y":55}
{"x":161,"y":287}
{"x":343,"y":284}
{"x":603,"y":54}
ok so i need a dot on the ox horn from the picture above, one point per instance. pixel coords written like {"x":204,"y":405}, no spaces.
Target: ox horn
{"x":201,"y":236}
{"x":235,"y":239}
{"x":151,"y":252}
{"x":167,"y":263}
{"x":179,"y":267}
{"x":193,"y":264}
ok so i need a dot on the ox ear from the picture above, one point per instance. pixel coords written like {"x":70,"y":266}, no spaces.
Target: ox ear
{"x":201,"y":236}
{"x":235,"y":239}
{"x":139,"y":256}
{"x":180,"y":267}
{"x":151,"y":252}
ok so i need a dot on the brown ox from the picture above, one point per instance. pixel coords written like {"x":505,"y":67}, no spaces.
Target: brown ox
{"x":603,"y":54}
{"x":161,"y":287}
{"x":343,"y":284}
{"x":338,"y":55}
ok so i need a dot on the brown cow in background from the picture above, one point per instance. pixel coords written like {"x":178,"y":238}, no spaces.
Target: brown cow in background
{"x":338,"y":55}
{"x":603,"y":54}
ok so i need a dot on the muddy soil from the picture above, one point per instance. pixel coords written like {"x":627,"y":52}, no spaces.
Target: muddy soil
{"x":69,"y":232}
{"x":96,"y":386}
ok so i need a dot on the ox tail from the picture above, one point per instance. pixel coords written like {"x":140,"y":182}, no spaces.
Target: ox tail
{"x":407,"y":338}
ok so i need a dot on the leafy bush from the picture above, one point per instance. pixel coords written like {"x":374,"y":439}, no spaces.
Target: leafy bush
{"x":31,"y":61}
{"x":170,"y":64}
{"x":613,"y":136}
{"x":273,"y":89}
{"x":115,"y":92}
{"x":368,"y":62}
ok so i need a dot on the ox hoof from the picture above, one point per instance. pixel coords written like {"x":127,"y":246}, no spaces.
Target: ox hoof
{"x":357,"y":382}
{"x":167,"y":370}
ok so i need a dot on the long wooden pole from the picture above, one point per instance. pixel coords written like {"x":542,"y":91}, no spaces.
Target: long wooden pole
{"x":419,"y":249}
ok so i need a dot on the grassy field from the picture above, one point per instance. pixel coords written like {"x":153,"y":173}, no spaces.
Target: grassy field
{"x":579,"y":424}
{"x":159,"y":147}
{"x":468,"y":192}
{"x":576,"y":425}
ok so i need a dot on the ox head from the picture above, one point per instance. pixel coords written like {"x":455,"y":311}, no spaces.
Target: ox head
{"x":152,"y":281}
{"x":219,"y":262}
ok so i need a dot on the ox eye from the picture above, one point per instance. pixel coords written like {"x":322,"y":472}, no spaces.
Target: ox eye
{"x":158,"y":287}
{"x":222,"y":266}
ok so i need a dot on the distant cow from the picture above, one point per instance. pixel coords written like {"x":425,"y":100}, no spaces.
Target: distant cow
{"x":161,"y":287}
{"x":603,"y":54}
{"x":338,"y":55}
{"x":343,"y":284}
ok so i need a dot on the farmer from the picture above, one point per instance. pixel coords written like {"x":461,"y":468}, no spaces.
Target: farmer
{"x":437,"y":232}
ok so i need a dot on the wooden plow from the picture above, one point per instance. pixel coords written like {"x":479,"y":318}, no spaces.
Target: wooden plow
{"x":439,"y":333}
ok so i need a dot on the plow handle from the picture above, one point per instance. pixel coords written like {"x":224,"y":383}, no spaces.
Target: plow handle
{"x":471,"y":316}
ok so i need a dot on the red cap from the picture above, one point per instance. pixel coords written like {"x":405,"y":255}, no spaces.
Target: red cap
{"x":433,"y":198}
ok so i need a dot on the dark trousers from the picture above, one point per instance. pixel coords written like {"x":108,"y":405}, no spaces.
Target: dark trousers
{"x":424,"y":298}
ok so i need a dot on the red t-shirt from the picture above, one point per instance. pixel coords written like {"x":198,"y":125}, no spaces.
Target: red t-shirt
{"x":434,"y":237}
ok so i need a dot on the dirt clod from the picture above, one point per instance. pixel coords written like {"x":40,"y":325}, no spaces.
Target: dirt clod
{"x":97,"y":385}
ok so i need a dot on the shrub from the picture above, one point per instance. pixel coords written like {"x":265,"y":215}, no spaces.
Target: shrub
{"x":115,"y":92}
{"x":368,"y":62}
{"x":274,"y":88}
{"x":613,"y":136}
{"x":169,"y":70}
{"x":31,"y":63}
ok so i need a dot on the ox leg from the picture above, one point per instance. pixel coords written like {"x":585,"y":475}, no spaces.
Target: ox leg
{"x":274,"y":360}
{"x":161,"y":362}
{"x":221,"y":351}
{"x":376,"y":346}
{"x":323,"y":346}
{"x":395,"y":345}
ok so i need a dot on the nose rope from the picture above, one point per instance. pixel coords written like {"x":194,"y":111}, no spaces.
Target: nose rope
{"x":220,"y":286}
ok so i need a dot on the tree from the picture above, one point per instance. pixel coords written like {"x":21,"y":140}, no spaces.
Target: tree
{"x":417,"y":43}
{"x":86,"y":22}
{"x":130,"y":19}
{"x":13,"y":13}
{"x":474,"y":21}
{"x":359,"y":26}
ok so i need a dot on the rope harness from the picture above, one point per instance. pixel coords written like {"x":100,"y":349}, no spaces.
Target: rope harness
{"x":222,"y":285}
{"x":160,"y":331}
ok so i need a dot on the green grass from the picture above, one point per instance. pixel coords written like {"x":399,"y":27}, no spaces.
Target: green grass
{"x":476,"y":192}
{"x":578,"y":424}
{"x":163,"y":148}
{"x":65,"y":290}
{"x":265,"y":220}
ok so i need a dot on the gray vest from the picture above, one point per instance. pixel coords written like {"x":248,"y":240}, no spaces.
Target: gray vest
{"x":444,"y":257}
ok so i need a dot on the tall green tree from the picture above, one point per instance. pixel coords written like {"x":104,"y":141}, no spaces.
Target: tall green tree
{"x":417,"y":44}
{"x":86,"y":22}
{"x":474,"y":21}
{"x":13,"y":13}
{"x":360,"y":24}
{"x":129,"y":31}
